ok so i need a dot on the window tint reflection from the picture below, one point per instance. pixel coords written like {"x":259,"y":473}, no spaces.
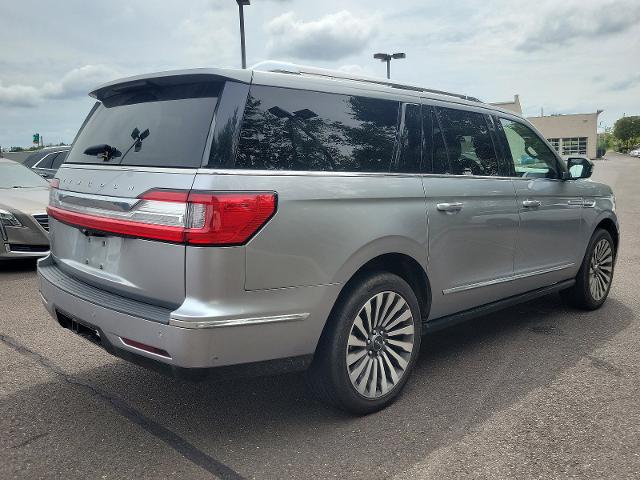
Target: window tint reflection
{"x":285,"y":129}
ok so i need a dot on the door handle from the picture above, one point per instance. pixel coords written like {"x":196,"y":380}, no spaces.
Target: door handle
{"x":531,"y":203}
{"x":450,"y":207}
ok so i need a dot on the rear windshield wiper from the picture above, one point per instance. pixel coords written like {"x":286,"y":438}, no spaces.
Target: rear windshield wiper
{"x":103,"y":151}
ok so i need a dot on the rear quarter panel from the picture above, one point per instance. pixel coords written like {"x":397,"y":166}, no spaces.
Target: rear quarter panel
{"x":327,"y":226}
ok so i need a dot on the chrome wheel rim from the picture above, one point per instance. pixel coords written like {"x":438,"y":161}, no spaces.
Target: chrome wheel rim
{"x":600,"y":270}
{"x":380,"y":344}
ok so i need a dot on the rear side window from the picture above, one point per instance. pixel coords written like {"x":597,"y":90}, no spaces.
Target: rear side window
{"x":47,"y":160}
{"x":59,"y":160}
{"x":410,"y":139}
{"x":438,"y":162}
{"x":469,"y":143}
{"x":286,"y":129}
{"x":151,"y":125}
{"x":34,"y":158}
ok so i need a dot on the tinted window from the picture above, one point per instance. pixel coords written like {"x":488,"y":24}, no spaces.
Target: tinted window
{"x":59,"y":160}
{"x":48,"y":160}
{"x":410,"y":140}
{"x":469,"y":143}
{"x":228,"y":118}
{"x":286,"y":129}
{"x":439,"y":159}
{"x":531,"y":156}
{"x":34,"y":158}
{"x":153,"y":125}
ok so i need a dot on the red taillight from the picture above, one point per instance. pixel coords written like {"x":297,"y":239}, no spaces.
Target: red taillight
{"x":54,"y":183}
{"x":196,"y":218}
{"x":228,"y":218}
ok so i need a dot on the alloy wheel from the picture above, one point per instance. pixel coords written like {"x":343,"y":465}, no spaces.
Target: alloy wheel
{"x":600,"y":269}
{"x":380,"y":344}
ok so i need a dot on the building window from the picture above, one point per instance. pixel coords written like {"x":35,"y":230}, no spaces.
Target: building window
{"x":555,"y":143}
{"x":574,"y":146}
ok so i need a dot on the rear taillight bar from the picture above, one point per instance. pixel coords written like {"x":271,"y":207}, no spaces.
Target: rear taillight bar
{"x":177,"y":216}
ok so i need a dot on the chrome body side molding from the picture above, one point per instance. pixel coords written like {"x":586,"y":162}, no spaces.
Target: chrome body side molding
{"x":495,"y":281}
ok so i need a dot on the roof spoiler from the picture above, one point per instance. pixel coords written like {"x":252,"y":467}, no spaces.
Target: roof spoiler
{"x":174,"y":77}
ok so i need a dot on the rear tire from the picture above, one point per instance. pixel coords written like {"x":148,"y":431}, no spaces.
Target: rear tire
{"x":369,"y":346}
{"x":593,"y":281}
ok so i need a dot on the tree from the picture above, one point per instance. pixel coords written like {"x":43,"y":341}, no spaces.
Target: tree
{"x":627,"y":131}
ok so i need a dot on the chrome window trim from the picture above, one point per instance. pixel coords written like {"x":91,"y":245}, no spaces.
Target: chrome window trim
{"x":472,"y":286}
{"x":309,"y":173}
{"x":43,"y":159}
{"x":275,"y":173}
{"x":236,"y":322}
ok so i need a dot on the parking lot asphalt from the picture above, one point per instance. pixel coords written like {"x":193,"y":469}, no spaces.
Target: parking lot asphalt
{"x":535,"y":391}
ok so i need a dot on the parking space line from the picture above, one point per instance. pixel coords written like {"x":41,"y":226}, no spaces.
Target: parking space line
{"x":172,"y":439}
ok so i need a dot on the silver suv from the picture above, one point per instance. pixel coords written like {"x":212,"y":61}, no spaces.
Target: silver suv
{"x":223,"y":221}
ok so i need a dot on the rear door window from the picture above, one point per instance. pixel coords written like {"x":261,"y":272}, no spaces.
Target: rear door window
{"x":286,"y":129}
{"x":152,"y":125}
{"x":469,"y":144}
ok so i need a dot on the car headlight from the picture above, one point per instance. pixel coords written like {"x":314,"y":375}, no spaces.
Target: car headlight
{"x":8,"y":219}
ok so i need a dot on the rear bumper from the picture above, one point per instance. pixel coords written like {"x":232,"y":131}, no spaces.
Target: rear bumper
{"x":252,"y":340}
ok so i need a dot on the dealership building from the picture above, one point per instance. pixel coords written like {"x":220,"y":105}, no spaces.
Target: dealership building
{"x":572,"y":134}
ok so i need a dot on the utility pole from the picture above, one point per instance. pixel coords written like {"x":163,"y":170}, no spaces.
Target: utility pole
{"x":241,"y":4}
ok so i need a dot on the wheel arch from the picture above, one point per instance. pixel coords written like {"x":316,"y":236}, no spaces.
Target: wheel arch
{"x":401,"y":264}
{"x":610,"y":226}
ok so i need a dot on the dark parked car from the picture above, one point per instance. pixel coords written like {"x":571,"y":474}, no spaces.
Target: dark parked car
{"x":46,"y":162}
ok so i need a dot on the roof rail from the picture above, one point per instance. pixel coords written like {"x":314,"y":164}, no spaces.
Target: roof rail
{"x":291,"y":68}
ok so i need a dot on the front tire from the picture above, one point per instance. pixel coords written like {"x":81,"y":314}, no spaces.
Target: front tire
{"x":370,"y":346}
{"x":595,"y":276}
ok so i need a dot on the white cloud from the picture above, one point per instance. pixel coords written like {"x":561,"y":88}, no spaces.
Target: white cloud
{"x":75,"y":83}
{"x":210,"y":38}
{"x":580,"y":20}
{"x":331,"y":37}
{"x":19,"y":96}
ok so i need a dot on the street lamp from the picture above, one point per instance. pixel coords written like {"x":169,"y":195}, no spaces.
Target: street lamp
{"x":241,"y":4}
{"x":386,"y":57}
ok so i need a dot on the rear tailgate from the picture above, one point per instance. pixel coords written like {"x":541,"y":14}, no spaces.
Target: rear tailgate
{"x":148,"y":270}
{"x":143,"y":135}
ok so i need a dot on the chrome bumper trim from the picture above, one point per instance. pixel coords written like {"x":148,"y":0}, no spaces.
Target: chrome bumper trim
{"x":8,"y":253}
{"x":237,"y":322}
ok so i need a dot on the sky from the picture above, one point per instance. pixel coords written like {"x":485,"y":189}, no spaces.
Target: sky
{"x":573,"y":56}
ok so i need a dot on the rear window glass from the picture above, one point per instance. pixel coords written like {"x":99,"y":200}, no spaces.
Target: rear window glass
{"x":155,"y":126}
{"x":469,"y":143}
{"x":285,"y":129}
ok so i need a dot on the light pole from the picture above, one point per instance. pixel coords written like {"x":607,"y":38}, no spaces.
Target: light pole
{"x":241,"y":4}
{"x":386,"y":57}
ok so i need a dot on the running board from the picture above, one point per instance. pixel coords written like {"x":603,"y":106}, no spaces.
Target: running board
{"x":460,"y":317}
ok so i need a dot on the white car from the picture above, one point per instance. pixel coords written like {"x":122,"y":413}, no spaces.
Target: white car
{"x":635,"y":152}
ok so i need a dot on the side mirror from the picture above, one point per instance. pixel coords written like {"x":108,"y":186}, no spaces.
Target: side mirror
{"x":579,"y":167}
